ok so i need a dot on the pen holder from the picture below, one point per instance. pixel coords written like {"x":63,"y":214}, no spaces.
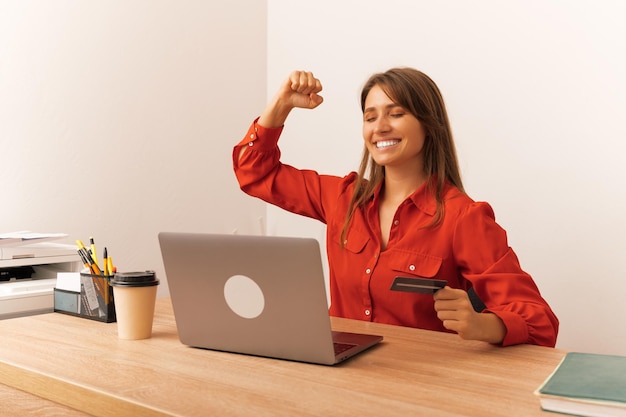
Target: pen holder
{"x":95,"y":300}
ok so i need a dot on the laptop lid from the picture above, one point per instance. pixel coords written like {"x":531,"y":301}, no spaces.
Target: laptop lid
{"x":258,"y":295}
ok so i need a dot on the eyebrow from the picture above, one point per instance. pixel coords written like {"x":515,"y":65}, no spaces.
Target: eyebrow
{"x":388,"y":106}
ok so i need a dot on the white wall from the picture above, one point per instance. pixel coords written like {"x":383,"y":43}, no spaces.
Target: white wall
{"x":536,"y":92}
{"x":117,"y":119}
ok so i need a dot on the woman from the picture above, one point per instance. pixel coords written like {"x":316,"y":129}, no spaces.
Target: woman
{"x":408,"y":216}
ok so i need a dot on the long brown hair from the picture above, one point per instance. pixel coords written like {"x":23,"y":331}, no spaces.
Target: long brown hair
{"x":419,"y":95}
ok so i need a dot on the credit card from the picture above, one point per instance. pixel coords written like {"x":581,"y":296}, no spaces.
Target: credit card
{"x":417,"y":285}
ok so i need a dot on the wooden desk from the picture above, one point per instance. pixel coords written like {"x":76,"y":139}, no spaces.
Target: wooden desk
{"x":82,"y":364}
{"x":14,"y":402}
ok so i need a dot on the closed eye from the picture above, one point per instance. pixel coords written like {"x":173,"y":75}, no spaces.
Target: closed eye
{"x":369,"y":117}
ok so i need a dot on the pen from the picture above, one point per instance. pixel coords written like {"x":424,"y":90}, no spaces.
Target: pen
{"x":85,"y":261}
{"x":107,"y":274}
{"x":105,"y":263}
{"x":93,"y":267}
{"x":94,"y":255}
{"x":81,"y":253}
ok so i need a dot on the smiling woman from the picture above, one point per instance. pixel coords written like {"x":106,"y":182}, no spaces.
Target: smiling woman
{"x":404,"y":213}
{"x":393,"y":136}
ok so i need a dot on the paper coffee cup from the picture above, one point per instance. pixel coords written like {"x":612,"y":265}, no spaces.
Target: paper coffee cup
{"x":134,"y":295}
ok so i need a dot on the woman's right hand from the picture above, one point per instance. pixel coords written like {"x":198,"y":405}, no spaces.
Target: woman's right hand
{"x":299,"y":90}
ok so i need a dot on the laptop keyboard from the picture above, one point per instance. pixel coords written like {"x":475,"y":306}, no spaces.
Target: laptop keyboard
{"x":342,"y":347}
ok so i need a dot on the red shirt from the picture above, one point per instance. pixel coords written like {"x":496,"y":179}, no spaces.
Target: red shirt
{"x":467,"y":249}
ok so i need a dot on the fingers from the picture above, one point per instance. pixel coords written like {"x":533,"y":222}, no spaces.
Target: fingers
{"x":300,"y":89}
{"x":448,"y":293}
{"x":451,"y":301}
{"x":454,"y":310}
{"x":304,"y":82}
{"x":303,"y":89}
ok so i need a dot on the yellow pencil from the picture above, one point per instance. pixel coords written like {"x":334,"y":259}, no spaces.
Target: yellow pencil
{"x":110,"y":266}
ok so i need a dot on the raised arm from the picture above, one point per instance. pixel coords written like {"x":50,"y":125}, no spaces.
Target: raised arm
{"x":300,"y":89}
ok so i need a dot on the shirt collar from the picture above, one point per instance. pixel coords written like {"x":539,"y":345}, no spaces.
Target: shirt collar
{"x":422,"y":198}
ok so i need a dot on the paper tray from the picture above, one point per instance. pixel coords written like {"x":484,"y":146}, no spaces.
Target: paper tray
{"x":94,"y":301}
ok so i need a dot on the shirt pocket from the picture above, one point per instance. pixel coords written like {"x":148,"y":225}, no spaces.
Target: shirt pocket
{"x":416,"y":264}
{"x":356,"y":241}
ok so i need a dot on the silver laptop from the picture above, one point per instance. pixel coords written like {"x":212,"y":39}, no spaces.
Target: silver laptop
{"x":257,"y":295}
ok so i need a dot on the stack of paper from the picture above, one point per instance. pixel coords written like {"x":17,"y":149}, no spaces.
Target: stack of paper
{"x":26,"y":237}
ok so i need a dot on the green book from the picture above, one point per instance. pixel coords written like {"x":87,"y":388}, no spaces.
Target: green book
{"x":586,"y":384}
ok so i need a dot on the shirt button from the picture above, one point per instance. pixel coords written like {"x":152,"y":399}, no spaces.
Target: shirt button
{"x":396,"y":222}
{"x":367,"y":271}
{"x":412,"y":267}
{"x":251,"y":135}
{"x":367,"y":312}
{"x":250,"y":143}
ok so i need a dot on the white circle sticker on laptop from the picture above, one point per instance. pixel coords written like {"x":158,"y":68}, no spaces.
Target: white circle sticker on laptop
{"x":244,"y":296}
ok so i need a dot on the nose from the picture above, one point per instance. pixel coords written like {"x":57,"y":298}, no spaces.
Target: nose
{"x":382,"y":125}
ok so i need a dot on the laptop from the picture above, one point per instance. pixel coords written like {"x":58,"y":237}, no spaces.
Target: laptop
{"x":256,"y":295}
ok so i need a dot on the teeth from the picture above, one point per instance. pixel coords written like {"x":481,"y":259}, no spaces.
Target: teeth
{"x":386,"y":143}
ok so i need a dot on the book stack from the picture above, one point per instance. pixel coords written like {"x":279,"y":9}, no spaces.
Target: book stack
{"x":586,"y":384}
